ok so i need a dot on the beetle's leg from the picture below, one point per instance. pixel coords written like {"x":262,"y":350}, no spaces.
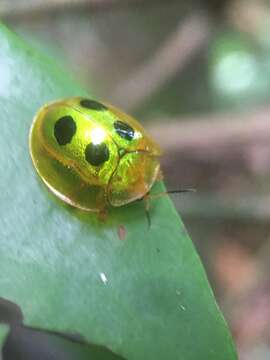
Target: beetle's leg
{"x":148,"y":197}
{"x":102,"y":215}
{"x":146,"y":200}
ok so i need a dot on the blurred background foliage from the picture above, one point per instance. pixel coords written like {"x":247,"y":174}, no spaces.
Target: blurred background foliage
{"x":197,"y":74}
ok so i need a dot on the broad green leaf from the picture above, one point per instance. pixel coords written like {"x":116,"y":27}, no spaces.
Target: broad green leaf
{"x":143,"y":294}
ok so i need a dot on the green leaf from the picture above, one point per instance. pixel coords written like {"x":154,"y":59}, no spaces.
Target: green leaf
{"x":4,"y":330}
{"x":143,"y":294}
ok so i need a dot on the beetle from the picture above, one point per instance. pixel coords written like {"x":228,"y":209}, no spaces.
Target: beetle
{"x":92,"y":155}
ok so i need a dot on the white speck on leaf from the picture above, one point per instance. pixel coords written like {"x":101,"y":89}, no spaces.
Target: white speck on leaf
{"x":103,"y":278}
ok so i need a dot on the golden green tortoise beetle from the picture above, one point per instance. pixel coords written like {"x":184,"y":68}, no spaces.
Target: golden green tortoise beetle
{"x":92,"y":155}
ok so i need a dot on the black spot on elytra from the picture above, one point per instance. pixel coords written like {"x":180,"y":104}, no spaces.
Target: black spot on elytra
{"x":96,"y":154}
{"x":93,"y":105}
{"x":124,"y":130}
{"x":64,"y":130}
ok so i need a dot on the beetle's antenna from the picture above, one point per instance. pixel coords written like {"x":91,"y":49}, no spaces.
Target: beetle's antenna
{"x":178,"y":191}
{"x":174,"y":191}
